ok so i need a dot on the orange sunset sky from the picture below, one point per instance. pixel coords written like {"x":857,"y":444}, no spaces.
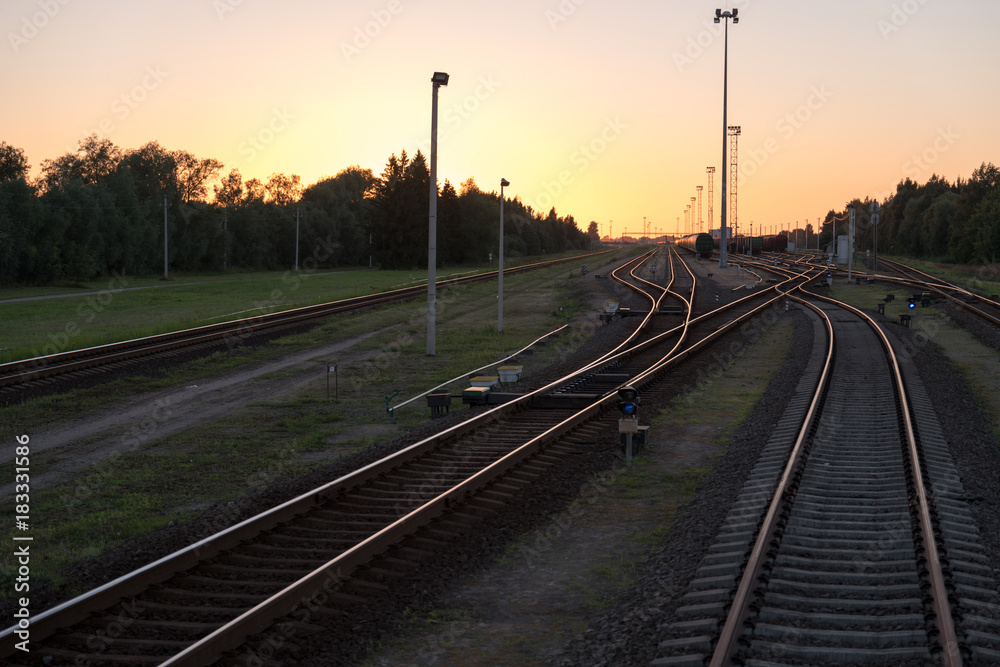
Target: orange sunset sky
{"x":609,"y":110}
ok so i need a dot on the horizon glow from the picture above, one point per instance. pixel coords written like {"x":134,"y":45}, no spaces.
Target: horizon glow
{"x":605,"y":111}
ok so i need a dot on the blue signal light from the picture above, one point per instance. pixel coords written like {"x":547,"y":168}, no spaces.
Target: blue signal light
{"x":628,"y":401}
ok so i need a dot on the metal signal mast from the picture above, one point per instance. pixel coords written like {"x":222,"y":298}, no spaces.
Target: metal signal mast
{"x":711,"y":177}
{"x":734,"y":134}
{"x":701,"y":221}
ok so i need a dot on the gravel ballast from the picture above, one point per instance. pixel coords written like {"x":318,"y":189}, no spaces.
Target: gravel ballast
{"x":629,"y":633}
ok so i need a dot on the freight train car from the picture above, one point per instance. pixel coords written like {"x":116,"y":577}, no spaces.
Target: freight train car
{"x":741,"y":244}
{"x":699,"y":244}
{"x":775,"y":243}
{"x":745,"y":244}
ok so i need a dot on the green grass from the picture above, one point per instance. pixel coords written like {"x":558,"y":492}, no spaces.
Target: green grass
{"x":978,"y":363}
{"x":976,"y":278}
{"x":95,"y":315}
{"x":644,"y":497}
{"x":466,"y":339}
{"x":867,"y":297}
{"x":171,"y":478}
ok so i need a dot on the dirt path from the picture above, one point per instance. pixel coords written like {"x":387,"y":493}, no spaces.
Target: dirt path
{"x":97,"y":435}
{"x":73,"y":445}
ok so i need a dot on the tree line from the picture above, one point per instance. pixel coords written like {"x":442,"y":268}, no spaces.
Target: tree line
{"x":100,"y":211}
{"x":949,"y":222}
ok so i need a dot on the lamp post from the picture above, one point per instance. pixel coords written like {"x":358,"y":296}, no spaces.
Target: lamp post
{"x":874,"y":209}
{"x":719,"y":16}
{"x":850,"y":242}
{"x":503,"y":183}
{"x":439,"y":79}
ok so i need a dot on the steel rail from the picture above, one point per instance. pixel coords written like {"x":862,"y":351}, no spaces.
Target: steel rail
{"x":654,"y":304}
{"x":234,"y":633}
{"x":264,"y":614}
{"x":739,"y":610}
{"x":79,"y":608}
{"x":616,"y":355}
{"x":942,"y":287}
{"x":655,"y":372}
{"x":75,"y":610}
{"x":24,"y":370}
{"x":727,"y":644}
{"x":937,"y":288}
{"x":686,"y":301}
{"x":393,"y":409}
{"x":904,"y":267}
{"x":939,"y":589}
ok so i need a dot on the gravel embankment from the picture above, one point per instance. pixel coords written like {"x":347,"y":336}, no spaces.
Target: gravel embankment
{"x":629,"y":633}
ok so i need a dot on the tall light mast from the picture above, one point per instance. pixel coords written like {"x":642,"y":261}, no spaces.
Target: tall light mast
{"x":701,"y":221}
{"x":734,"y":135}
{"x":711,"y":178}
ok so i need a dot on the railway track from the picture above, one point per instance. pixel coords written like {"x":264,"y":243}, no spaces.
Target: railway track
{"x":16,"y":375}
{"x":986,"y":308}
{"x":354,"y":539}
{"x":852,"y":542}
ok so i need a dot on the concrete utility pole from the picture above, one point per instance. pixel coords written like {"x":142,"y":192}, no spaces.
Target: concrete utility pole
{"x":439,"y":79}
{"x":165,"y":270}
{"x":850,"y":241}
{"x":874,"y":210}
{"x":724,"y":16}
{"x":503,"y":183}
{"x":296,"y":238}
